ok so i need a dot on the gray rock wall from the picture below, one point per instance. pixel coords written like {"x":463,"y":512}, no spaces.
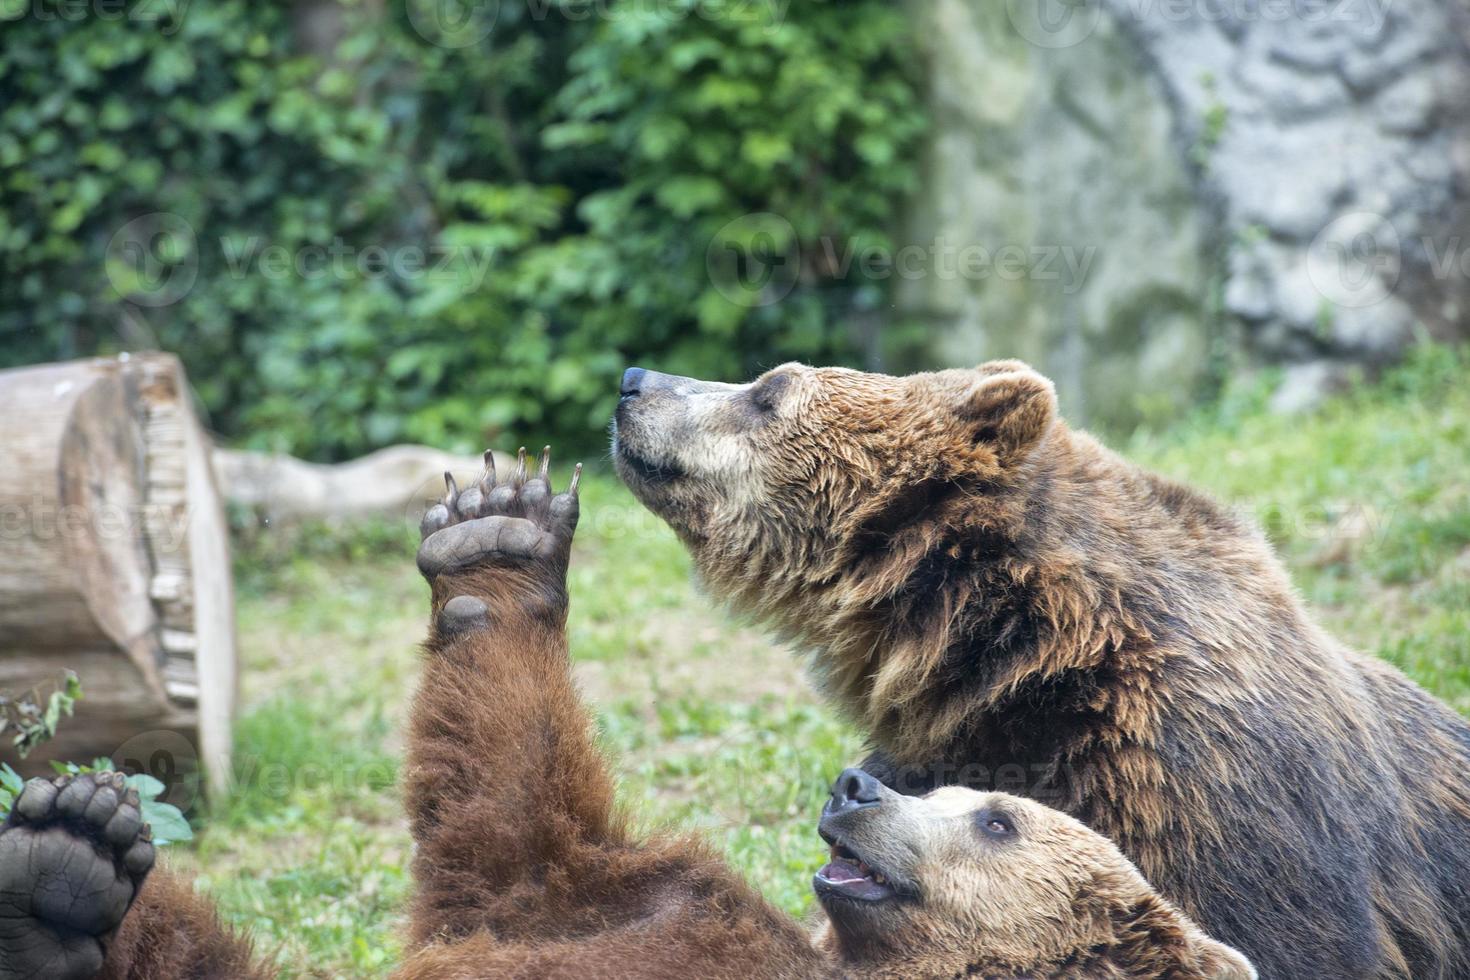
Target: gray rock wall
{"x":1223,"y":182}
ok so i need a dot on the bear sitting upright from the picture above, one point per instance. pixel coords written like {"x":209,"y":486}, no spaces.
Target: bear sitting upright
{"x":1002,"y":602}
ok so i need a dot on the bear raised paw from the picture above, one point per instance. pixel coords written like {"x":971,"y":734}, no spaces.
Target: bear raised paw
{"x":495,"y":539}
{"x":73,"y":855}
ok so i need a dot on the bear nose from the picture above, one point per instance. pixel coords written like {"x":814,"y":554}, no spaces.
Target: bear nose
{"x":854,"y":790}
{"x":632,"y":382}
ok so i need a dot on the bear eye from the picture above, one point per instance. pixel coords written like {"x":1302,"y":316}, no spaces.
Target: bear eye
{"x":997,"y":825}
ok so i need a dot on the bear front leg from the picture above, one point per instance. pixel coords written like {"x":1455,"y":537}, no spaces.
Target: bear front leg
{"x":503,"y":779}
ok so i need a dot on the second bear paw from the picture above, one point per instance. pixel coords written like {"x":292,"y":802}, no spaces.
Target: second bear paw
{"x":73,"y":855}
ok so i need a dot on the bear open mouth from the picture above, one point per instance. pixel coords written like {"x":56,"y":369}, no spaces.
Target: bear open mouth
{"x":847,"y":875}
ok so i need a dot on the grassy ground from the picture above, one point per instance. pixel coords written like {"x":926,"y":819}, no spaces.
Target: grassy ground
{"x":710,"y":724}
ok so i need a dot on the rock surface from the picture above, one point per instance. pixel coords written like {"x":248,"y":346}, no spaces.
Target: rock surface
{"x":1290,"y":178}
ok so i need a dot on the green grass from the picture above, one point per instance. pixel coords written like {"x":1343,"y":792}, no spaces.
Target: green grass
{"x":1368,"y":500}
{"x":710,"y":724}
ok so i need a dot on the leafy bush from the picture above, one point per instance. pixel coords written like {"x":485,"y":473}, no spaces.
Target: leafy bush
{"x":408,"y":236}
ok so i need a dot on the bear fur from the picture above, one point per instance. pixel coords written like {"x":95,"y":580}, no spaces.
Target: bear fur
{"x":525,"y":869}
{"x":1002,"y":602}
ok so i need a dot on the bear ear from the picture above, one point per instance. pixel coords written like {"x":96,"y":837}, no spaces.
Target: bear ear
{"x":1220,"y":962}
{"x":1010,"y":408}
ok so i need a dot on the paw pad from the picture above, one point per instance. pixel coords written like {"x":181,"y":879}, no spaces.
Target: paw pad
{"x":462,"y":614}
{"x":514,"y":520}
{"x":73,"y":854}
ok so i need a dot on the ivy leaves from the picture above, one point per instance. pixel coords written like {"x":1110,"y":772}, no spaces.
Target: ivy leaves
{"x":576,"y":162}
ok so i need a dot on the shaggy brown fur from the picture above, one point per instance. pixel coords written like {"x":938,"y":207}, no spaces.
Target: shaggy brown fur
{"x":525,"y":870}
{"x":171,"y":932}
{"x":522,"y":866}
{"x":1004,"y":603}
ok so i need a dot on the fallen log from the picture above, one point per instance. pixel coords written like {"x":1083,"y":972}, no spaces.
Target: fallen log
{"x":397,"y":482}
{"x":114,"y":564}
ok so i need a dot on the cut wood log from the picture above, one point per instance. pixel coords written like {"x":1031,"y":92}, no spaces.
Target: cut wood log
{"x":397,"y":482}
{"x":114,"y":560}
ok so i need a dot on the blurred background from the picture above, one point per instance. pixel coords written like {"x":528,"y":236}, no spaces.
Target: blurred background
{"x":442,"y":221}
{"x":1236,"y":233}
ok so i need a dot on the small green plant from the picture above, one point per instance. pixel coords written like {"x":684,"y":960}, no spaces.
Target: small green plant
{"x":1212,"y":123}
{"x":33,"y":717}
{"x":10,"y":786}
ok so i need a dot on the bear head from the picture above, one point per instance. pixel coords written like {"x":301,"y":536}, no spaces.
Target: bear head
{"x":960,"y":880}
{"x":836,"y":505}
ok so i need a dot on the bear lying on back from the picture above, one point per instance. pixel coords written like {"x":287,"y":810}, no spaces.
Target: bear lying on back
{"x":524,"y":869}
{"x":1002,"y":602}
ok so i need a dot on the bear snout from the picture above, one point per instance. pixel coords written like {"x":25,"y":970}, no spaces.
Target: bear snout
{"x":854,"y":790}
{"x":632,"y":384}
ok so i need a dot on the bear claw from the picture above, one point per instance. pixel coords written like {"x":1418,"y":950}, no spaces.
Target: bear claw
{"x":73,"y":854}
{"x":519,"y":519}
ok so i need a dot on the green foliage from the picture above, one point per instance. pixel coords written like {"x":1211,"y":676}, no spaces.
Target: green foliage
{"x":36,"y":725}
{"x":10,"y":786}
{"x":34,"y":716}
{"x":34,"y":719}
{"x":452,"y":243}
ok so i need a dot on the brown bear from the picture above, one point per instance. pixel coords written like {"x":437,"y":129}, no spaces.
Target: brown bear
{"x":1002,"y":602}
{"x":525,"y":869}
